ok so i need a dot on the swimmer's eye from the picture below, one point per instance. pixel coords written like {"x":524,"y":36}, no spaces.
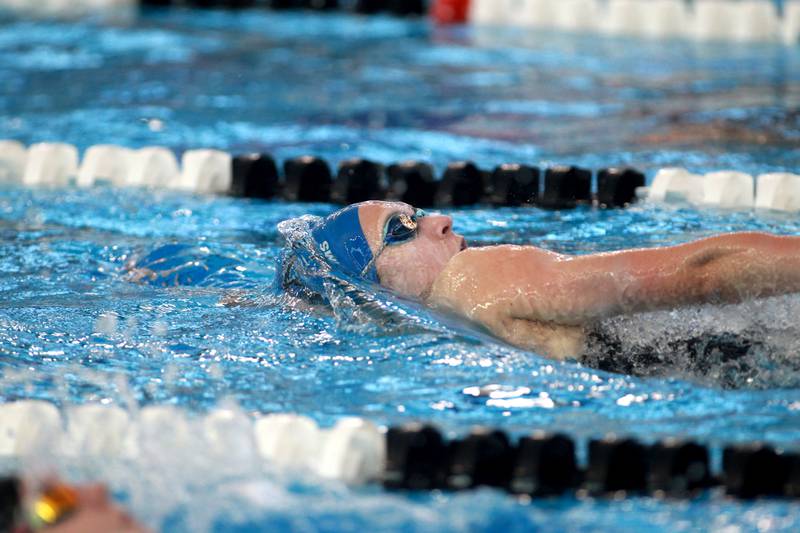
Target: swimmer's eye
{"x":402,"y":227}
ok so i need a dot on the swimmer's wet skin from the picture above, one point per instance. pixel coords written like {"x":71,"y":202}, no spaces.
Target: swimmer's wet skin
{"x":545,"y":301}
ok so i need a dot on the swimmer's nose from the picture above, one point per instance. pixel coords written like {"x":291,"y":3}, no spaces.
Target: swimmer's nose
{"x":438,"y":225}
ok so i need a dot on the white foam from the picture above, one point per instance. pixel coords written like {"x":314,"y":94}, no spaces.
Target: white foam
{"x":354,"y":451}
{"x":105,"y":162}
{"x":28,"y":427}
{"x":13,"y":156}
{"x":676,"y":185}
{"x":51,"y":164}
{"x":287,"y":440}
{"x":778,"y":191}
{"x":729,"y":189}
{"x":670,"y":336}
{"x":206,"y":171}
{"x":153,"y":166}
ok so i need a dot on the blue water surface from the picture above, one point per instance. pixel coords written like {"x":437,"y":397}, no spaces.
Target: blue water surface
{"x":81,"y":321}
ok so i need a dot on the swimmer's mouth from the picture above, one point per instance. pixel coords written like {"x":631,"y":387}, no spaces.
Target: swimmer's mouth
{"x":463,"y":244}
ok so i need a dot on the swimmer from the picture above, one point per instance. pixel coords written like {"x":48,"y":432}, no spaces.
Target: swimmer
{"x":541,"y":300}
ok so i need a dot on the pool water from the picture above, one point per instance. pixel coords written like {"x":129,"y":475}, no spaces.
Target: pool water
{"x":77,"y":325}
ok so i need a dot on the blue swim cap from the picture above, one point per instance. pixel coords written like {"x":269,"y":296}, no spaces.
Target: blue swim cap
{"x":341,"y":240}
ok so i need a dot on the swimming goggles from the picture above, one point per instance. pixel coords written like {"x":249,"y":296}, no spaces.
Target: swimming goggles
{"x":398,"y":229}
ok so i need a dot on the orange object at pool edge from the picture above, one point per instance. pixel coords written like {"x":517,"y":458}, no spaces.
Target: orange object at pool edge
{"x":450,"y":11}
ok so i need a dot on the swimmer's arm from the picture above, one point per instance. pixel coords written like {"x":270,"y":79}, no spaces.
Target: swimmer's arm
{"x":542,"y":300}
{"x":723,"y":269}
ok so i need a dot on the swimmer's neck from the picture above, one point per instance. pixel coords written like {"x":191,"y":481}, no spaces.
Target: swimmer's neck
{"x":429,"y":295}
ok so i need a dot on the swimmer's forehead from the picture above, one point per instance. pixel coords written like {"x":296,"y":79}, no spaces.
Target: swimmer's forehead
{"x":373,"y":216}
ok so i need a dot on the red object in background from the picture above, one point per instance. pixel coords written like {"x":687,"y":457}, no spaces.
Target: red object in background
{"x":450,"y":11}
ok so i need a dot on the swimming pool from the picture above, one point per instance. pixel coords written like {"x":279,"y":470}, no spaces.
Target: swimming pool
{"x":76,"y":330}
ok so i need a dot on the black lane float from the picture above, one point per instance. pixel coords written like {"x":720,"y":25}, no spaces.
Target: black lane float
{"x":419,"y":458}
{"x":365,"y":7}
{"x":462,"y":184}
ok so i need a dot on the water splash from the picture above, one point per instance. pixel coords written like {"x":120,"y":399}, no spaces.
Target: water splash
{"x":754,"y":344}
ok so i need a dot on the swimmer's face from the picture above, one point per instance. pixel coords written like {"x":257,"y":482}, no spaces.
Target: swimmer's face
{"x":411,"y":266}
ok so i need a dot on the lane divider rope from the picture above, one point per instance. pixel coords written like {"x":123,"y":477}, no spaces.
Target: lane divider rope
{"x":78,"y":8}
{"x":462,"y":183}
{"x":410,"y":457}
{"x":700,"y":20}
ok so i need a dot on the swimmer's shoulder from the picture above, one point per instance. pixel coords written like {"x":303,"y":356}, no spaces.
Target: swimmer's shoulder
{"x":473,"y":274}
{"x":473,"y":262}
{"x":480,"y":256}
{"x":495,"y":259}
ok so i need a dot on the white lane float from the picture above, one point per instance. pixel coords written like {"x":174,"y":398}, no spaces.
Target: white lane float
{"x":226,"y":429}
{"x":69,"y":8}
{"x":50,"y":164}
{"x":13,"y":157}
{"x":713,"y":20}
{"x":576,"y":14}
{"x":105,"y":162}
{"x":28,"y":428}
{"x":666,"y":18}
{"x":744,"y":21}
{"x":779,"y":191}
{"x":52,"y":8}
{"x":676,"y":185}
{"x":790,"y":26}
{"x":98,"y":430}
{"x":206,"y":171}
{"x":532,"y":13}
{"x":160,"y":428}
{"x":353,"y":451}
{"x":728,"y":189}
{"x":229,"y":441}
{"x":484,"y":12}
{"x":625,"y":17}
{"x":153,"y":166}
{"x":289,"y":441}
{"x":757,"y":21}
{"x":705,"y":20}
